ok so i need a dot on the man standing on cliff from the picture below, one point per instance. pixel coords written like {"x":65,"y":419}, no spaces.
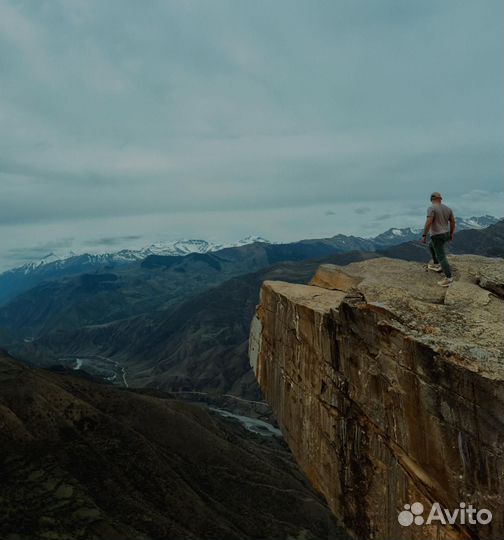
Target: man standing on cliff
{"x":441,"y":223}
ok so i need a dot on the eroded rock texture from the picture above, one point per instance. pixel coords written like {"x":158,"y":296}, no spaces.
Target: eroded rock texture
{"x":389,"y":389}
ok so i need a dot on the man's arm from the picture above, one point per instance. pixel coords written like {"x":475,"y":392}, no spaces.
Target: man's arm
{"x":427,"y":226}
{"x":452,"y":226}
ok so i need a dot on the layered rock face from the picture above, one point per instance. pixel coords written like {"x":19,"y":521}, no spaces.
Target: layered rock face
{"x":389,"y":390}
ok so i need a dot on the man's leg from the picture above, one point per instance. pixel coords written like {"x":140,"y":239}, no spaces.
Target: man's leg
{"x":433,"y":252}
{"x":438,"y":244}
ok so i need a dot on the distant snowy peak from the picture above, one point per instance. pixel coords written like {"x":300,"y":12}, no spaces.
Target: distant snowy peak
{"x":176,"y":247}
{"x":474,"y":222}
{"x":185,"y":247}
{"x":396,"y":236}
{"x":46,"y":259}
{"x":124,"y":256}
{"x":243,"y":242}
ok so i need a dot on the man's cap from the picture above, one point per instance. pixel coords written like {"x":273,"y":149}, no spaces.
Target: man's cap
{"x":436,"y":195}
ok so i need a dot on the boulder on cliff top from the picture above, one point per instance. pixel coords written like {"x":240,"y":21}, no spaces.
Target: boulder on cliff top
{"x":464,"y":320}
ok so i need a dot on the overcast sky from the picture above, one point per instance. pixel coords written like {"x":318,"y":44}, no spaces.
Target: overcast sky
{"x":125,"y":122}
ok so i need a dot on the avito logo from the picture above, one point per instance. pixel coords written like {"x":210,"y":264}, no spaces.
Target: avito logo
{"x":464,"y":514}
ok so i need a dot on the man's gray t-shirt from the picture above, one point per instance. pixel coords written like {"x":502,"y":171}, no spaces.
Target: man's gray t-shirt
{"x":442,"y":214}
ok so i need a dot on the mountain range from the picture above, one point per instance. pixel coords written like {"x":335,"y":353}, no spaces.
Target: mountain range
{"x":58,"y":265}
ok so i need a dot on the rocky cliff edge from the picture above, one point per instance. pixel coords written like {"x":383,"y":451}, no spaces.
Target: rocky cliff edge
{"x":389,"y":389}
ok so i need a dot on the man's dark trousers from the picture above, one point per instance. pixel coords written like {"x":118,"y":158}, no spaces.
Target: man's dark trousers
{"x":437,"y":249}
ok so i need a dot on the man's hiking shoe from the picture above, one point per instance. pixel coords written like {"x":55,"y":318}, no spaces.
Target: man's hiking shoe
{"x":434,"y":267}
{"x":446,"y":282}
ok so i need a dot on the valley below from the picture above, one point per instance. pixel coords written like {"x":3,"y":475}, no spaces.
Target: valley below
{"x":91,"y":461}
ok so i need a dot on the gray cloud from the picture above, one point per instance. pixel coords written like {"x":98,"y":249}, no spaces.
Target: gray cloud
{"x":47,"y":246}
{"x":123,"y":111}
{"x":31,"y":252}
{"x":112,"y":240}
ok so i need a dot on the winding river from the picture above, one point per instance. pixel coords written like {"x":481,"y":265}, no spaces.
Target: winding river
{"x":99,"y":366}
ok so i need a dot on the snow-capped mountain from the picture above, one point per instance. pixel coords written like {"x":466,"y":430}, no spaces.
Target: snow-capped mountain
{"x":398,"y":236}
{"x":124,"y":256}
{"x":474,"y":222}
{"x":56,"y":265}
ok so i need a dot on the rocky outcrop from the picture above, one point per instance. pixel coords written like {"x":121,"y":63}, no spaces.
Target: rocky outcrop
{"x":389,"y":390}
